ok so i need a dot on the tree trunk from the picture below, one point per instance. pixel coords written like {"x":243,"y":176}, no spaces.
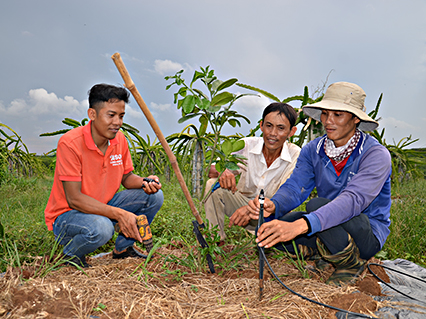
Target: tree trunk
{"x":197,"y":170}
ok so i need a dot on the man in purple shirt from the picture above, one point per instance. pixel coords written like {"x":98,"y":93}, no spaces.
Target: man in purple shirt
{"x":348,"y":222}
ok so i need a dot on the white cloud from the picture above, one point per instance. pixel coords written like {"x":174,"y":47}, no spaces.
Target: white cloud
{"x":41,"y":112}
{"x":40,"y":102}
{"x":17,"y":106}
{"x":132,"y":113}
{"x":166,"y":66}
{"x":256,"y":102}
{"x":160,"y":107}
{"x":155,"y":109}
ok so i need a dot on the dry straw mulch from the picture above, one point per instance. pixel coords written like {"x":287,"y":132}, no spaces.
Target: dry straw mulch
{"x":125,"y":290}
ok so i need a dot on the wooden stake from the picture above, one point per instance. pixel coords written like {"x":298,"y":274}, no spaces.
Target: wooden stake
{"x":128,"y":83}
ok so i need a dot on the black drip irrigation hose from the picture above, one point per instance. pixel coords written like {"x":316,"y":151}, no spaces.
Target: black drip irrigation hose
{"x":400,"y":272}
{"x":343,"y":310}
{"x":306,"y":298}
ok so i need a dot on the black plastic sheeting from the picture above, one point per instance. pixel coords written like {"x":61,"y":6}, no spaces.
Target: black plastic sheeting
{"x":400,"y":306}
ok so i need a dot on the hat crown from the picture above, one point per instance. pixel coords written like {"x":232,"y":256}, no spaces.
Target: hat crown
{"x":346,"y":93}
{"x":343,"y":96}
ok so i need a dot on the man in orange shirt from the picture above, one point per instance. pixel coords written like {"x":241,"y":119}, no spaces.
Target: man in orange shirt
{"x":92,"y":162}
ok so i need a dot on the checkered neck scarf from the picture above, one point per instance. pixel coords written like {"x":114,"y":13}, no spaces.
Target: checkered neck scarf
{"x":338,"y":154}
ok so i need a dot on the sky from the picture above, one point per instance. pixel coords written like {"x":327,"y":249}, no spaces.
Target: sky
{"x":53,"y":52}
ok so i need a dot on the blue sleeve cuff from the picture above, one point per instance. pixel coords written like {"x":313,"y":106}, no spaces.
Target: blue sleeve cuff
{"x":314,"y":222}
{"x":277,"y":208}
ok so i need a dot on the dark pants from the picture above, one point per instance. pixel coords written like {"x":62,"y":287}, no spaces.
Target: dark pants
{"x":336,"y":238}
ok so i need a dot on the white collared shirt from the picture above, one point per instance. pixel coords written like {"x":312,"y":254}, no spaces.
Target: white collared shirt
{"x":256,"y":175}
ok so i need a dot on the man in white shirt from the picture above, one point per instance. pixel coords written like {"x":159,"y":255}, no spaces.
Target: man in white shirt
{"x":270,"y":161}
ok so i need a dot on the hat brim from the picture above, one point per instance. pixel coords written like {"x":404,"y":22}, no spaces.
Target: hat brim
{"x":314,"y":111}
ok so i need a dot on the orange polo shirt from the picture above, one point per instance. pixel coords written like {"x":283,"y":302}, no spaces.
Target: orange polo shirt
{"x":79,"y":160}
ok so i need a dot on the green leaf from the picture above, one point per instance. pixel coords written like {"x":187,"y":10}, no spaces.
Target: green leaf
{"x":208,"y":154}
{"x":55,"y":133}
{"x":188,"y":104}
{"x":373,"y":114}
{"x":203,"y":129}
{"x":213,"y":109}
{"x":197,"y":101}
{"x":305,"y":96}
{"x":234,"y":122}
{"x":293,"y":98}
{"x":204,"y":122}
{"x":210,"y":73}
{"x":242,"y":116}
{"x":197,"y":75}
{"x":222,"y":99}
{"x":180,"y":102}
{"x":239,"y":156}
{"x":128,"y":127}
{"x":182,"y":91}
{"x":231,"y":166}
{"x":227,"y":147}
{"x":215,"y":85}
{"x":238,"y":145}
{"x":204,"y":104}
{"x":187,"y":117}
{"x":263,"y":92}
{"x":220,"y":167}
{"x":226,"y":84}
{"x":71,"y":122}
{"x":201,"y":93}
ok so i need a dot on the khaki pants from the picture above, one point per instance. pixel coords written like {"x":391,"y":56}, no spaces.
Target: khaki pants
{"x":222,"y":202}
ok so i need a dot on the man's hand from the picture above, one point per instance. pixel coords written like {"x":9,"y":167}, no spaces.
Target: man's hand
{"x":276,"y":231}
{"x":86,"y":204}
{"x":151,"y":187}
{"x":254,"y":208}
{"x":213,"y":173}
{"x":240,"y":217}
{"x":227,"y":181}
{"x":131,"y":181}
{"x":128,"y":227}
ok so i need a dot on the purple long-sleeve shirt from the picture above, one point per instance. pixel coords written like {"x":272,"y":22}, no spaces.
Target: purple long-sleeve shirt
{"x":362,"y":187}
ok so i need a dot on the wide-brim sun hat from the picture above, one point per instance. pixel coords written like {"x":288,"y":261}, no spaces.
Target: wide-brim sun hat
{"x":343,"y":96}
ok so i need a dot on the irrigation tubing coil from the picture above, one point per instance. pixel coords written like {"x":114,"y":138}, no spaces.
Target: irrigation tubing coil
{"x":339,"y":309}
{"x":400,"y":272}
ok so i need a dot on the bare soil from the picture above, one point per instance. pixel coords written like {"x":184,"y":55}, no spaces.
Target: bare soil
{"x":126,"y":289}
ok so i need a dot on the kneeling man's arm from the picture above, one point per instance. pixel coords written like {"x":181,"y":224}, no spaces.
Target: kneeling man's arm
{"x":86,"y":204}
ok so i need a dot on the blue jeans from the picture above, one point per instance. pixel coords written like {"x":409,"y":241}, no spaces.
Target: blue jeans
{"x":82,"y":233}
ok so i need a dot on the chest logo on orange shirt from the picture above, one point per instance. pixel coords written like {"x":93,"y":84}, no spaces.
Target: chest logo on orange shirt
{"x":115,"y":160}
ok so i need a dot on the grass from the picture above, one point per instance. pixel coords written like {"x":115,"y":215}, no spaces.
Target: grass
{"x":408,"y":215}
{"x":22,"y":207}
{"x":23,"y":201}
{"x":22,"y":216}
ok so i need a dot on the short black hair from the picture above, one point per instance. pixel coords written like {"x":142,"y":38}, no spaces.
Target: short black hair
{"x":285,"y":108}
{"x":100,"y":93}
